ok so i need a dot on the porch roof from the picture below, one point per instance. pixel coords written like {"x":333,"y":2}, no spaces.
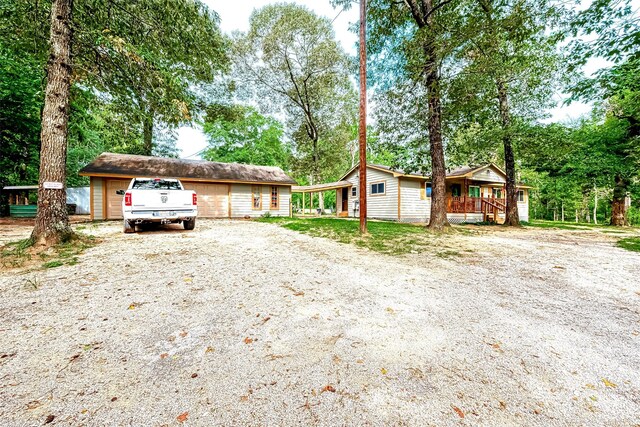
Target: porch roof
{"x":320,"y":187}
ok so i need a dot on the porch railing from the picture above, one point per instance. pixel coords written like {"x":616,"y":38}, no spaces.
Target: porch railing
{"x":462,"y":204}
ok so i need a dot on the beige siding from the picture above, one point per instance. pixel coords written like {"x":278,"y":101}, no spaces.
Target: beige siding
{"x":98,"y":191}
{"x":241,"y":205}
{"x":384,"y":206}
{"x":489,"y":174}
{"x":413,"y":208}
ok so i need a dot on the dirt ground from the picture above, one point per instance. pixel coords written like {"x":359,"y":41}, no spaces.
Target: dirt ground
{"x":246,"y":323}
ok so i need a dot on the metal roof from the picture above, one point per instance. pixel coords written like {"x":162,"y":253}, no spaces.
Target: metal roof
{"x":20,"y":187}
{"x":320,"y":187}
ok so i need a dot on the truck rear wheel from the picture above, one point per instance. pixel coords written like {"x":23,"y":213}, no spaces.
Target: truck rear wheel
{"x":189,"y":225}
{"x":128,"y":227}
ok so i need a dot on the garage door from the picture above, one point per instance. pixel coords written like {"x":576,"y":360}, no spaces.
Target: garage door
{"x":114,"y":201}
{"x":213,"y":199}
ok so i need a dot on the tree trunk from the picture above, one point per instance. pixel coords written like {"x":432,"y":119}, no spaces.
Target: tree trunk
{"x":511,"y":212}
{"x":147,"y":125}
{"x":618,"y":206}
{"x":438,"y":219}
{"x":562,"y":211}
{"x":52,"y":221}
{"x":595,"y":204}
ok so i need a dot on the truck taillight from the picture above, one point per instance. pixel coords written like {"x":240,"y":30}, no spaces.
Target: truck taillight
{"x":127,"y":199}
{"x":195,"y":199}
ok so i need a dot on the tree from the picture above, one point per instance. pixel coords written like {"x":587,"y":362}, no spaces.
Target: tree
{"x":242,"y":135}
{"x":149,"y":57}
{"x":52,"y":223}
{"x":510,"y":65}
{"x":410,"y":43}
{"x":290,"y":61}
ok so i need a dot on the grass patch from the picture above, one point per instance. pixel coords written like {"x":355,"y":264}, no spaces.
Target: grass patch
{"x":630,"y":244}
{"x":558,"y":225}
{"x":22,"y":253}
{"x":53,"y":264}
{"x":384,"y":236}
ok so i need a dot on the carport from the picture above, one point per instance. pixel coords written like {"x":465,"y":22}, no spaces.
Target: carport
{"x":342,"y":195}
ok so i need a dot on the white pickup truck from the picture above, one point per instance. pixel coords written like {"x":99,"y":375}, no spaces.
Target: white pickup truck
{"x":158,"y":200}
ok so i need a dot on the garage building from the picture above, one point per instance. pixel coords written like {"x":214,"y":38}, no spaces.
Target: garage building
{"x":225,"y":190}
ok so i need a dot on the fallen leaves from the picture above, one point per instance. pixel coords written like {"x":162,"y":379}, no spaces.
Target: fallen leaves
{"x":33,"y":404}
{"x":390,"y":310}
{"x":49,"y":419}
{"x":384,"y":371}
{"x":458,"y":411}
{"x":329,"y":388}
{"x":608,"y":383}
{"x":164,"y":355}
{"x":194,"y":375}
{"x":209,"y":350}
{"x":188,"y":279}
{"x":248,"y":340}
{"x":182,"y":417}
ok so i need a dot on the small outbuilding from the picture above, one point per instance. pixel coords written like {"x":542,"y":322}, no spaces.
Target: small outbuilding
{"x":225,"y":190}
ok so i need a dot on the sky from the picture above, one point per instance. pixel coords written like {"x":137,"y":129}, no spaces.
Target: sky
{"x":234,"y":15}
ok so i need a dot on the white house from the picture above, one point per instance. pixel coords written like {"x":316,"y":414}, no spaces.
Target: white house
{"x":474,"y":194}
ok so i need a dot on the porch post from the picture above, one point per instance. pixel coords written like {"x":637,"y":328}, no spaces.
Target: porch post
{"x":303,"y":198}
{"x":466,"y":191}
{"x":337,"y":203}
{"x":311,"y":203}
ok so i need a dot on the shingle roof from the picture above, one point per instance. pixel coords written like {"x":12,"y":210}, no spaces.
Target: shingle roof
{"x":107,"y":164}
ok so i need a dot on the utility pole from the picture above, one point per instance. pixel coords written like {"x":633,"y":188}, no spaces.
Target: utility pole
{"x":362,"y":127}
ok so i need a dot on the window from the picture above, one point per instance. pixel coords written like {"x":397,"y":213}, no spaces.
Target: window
{"x":456,"y":190}
{"x":497,"y":193}
{"x":521,"y":195}
{"x":474,"y":191}
{"x":156,"y":184}
{"x":275,"y":197}
{"x":354,"y":191}
{"x":377,"y":188}
{"x":426,"y":190}
{"x":256,"y":191}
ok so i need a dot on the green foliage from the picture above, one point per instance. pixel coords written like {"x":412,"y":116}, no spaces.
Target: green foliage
{"x":21,"y":98}
{"x":242,"y":135}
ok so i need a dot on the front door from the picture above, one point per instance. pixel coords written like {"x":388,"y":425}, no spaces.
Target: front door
{"x":345,"y":200}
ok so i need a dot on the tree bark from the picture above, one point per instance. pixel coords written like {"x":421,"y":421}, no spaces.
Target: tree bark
{"x":362,"y":119}
{"x":618,"y":207}
{"x":595,"y":204}
{"x":438,"y":218}
{"x":147,"y":125}
{"x":511,"y":213}
{"x":52,"y":221}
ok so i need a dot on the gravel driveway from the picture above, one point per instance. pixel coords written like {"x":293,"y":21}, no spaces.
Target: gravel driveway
{"x":245,"y":323}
